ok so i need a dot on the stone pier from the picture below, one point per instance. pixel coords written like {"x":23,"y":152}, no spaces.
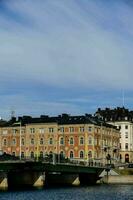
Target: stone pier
{"x":3,"y":181}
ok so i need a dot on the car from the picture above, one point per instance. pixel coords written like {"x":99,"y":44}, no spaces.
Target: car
{"x":130,"y":165}
{"x":110,"y":166}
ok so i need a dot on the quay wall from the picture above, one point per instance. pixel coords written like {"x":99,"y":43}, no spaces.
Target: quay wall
{"x":120,"y":179}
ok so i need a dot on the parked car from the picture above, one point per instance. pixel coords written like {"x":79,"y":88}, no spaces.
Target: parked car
{"x":110,"y":166}
{"x":130,"y":165}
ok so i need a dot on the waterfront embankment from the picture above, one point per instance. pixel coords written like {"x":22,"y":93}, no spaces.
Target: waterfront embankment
{"x":118,"y":176}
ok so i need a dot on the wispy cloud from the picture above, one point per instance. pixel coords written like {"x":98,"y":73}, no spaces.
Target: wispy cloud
{"x":69,"y":46}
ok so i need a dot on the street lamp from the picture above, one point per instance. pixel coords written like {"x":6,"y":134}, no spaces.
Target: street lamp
{"x":19,"y":138}
{"x":89,"y":158}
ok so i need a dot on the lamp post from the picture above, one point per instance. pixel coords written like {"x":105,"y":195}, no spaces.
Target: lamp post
{"x":89,"y":157}
{"x":19,"y":138}
{"x":20,"y":142}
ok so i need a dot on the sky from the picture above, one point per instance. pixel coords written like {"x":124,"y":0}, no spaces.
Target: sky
{"x":65,"y":56}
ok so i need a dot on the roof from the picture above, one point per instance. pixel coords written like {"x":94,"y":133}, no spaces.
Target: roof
{"x":116,"y":114}
{"x":63,"y":119}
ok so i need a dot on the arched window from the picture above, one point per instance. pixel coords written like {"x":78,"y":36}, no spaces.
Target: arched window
{"x":81,"y":155}
{"x":62,"y":154}
{"x":90,"y":154}
{"x":41,"y":141}
{"x":71,"y":154}
{"x":50,"y":141}
{"x":5,"y":142}
{"x":127,"y":158}
{"x":13,"y":153}
{"x":61,"y":141}
{"x":32,"y":154}
{"x":81,"y":140}
{"x":50,"y":154}
{"x":22,"y":154}
{"x":32,"y":141}
{"x":41,"y":154}
{"x":71,"y":141}
{"x":90,"y":140}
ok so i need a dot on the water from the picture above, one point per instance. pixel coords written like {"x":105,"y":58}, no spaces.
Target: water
{"x":99,"y":192}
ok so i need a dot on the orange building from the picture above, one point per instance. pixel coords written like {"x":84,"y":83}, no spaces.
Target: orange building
{"x":83,"y":138}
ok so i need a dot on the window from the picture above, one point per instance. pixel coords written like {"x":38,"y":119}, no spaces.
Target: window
{"x":13,"y":153}
{"x":81,"y":140}
{"x":22,"y":142}
{"x":90,"y":154}
{"x":126,"y":134}
{"x":41,"y":154}
{"x":4,"y":132}
{"x":61,"y":141}
{"x":32,"y":141}
{"x":32,"y":130}
{"x":62,"y":129}
{"x":81,"y":129}
{"x":126,"y":145}
{"x":41,"y":141}
{"x":119,"y":127}
{"x":22,"y":154}
{"x":71,"y":154}
{"x":50,"y":141}
{"x":32,"y":154}
{"x":51,"y":130}
{"x":4,"y":142}
{"x":14,"y":131}
{"x":90,"y":140}
{"x":126,"y":126}
{"x":120,"y":145}
{"x":14,"y":142}
{"x":71,"y":141}
{"x":95,"y":141}
{"x":41,"y":130}
{"x":89,"y":129}
{"x":105,"y":142}
{"x":23,"y":131}
{"x":81,"y":155}
{"x":62,"y":154}
{"x":126,"y":118}
{"x":51,"y":155}
{"x":71,"y":129}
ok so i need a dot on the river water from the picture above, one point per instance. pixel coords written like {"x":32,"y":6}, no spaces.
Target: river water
{"x":99,"y":192}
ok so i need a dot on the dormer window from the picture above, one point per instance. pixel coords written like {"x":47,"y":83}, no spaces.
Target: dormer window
{"x":126,"y":118}
{"x":126,"y":126}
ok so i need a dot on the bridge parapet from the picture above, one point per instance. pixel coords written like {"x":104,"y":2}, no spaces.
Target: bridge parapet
{"x":36,"y":173}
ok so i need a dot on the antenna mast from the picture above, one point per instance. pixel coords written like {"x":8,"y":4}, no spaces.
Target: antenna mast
{"x":123,"y":98}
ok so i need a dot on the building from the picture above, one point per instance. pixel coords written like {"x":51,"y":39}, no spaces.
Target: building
{"x":84,"y":138}
{"x":123,"y":119}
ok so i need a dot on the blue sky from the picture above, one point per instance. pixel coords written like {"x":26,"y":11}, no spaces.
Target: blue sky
{"x":68,"y":56}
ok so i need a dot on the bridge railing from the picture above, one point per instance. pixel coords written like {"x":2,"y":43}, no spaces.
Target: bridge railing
{"x":55,"y":160}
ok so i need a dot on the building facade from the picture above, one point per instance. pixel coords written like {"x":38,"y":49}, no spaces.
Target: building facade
{"x":83,"y":138}
{"x":123,"y":119}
